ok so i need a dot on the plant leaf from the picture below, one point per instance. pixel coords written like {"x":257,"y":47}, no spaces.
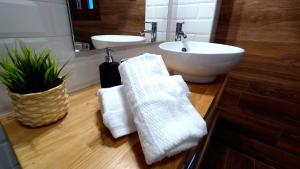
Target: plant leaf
{"x":29,"y":71}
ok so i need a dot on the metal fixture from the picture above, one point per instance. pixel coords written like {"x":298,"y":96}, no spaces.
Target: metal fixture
{"x":179,"y":33}
{"x":108,"y":57}
{"x":153,"y":31}
{"x":81,"y":46}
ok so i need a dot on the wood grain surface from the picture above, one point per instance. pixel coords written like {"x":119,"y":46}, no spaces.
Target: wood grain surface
{"x":80,"y":140}
{"x":230,"y":158}
{"x":262,"y":96}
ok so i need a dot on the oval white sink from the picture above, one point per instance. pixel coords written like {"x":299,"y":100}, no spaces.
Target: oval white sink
{"x":103,"y":41}
{"x":202,"y":61}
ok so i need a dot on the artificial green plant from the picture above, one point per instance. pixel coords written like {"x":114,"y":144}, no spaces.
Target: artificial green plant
{"x":24,"y":70}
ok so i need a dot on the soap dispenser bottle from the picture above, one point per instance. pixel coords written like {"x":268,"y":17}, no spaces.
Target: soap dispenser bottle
{"x":109,"y":73}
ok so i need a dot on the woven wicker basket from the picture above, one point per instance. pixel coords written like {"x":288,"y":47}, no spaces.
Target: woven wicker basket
{"x":39,"y":109}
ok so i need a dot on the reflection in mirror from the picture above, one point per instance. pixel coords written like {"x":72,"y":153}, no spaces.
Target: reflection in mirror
{"x":92,"y":18}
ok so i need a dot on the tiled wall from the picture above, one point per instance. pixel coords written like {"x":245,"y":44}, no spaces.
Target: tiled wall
{"x":44,"y":24}
{"x":38,"y":23}
{"x":157,"y":11}
{"x":199,"y":17}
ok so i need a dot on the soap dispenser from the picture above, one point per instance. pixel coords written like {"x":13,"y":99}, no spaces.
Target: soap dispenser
{"x":109,"y":73}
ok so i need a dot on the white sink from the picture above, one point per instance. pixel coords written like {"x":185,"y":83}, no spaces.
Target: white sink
{"x":103,"y":41}
{"x":202,"y":61}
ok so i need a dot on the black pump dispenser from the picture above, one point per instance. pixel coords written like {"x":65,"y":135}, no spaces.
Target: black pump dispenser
{"x":109,"y":73}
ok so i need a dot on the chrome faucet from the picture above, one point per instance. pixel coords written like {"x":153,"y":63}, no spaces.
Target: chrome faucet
{"x":179,"y":33}
{"x":153,"y":31}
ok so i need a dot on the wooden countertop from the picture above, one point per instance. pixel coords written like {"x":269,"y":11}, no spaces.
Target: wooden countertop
{"x":80,"y":140}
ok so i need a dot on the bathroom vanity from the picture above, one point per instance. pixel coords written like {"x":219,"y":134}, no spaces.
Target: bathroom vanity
{"x":80,"y":140}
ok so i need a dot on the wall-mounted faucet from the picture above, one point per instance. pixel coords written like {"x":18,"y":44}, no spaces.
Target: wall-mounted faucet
{"x":179,"y":33}
{"x":153,"y":31}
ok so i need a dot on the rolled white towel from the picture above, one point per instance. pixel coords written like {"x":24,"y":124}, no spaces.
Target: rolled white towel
{"x":166,"y":121}
{"x":116,"y":113}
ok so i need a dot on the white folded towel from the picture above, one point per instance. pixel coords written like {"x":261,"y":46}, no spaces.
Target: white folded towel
{"x":116,"y":114}
{"x":115,"y":111}
{"x":166,"y":121}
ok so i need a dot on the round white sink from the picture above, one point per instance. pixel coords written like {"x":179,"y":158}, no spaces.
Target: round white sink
{"x":103,"y":41}
{"x":202,"y":61}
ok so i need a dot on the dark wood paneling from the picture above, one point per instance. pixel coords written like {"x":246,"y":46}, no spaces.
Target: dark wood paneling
{"x":290,"y":142}
{"x":237,"y":160}
{"x":261,"y":101}
{"x":258,"y":20}
{"x":255,"y":127}
{"x":221,"y":156}
{"x":266,"y":153}
{"x":216,"y":157}
{"x":260,"y":165}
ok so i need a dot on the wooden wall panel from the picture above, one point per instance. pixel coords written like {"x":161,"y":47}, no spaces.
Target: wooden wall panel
{"x":229,"y":134}
{"x":262,"y":97}
{"x":125,"y":17}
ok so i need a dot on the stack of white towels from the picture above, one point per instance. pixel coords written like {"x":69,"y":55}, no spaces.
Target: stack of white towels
{"x":154,"y":104}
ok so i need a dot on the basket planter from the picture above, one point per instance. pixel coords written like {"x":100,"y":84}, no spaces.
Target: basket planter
{"x":39,"y":109}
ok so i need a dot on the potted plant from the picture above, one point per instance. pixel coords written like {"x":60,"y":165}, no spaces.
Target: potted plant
{"x":34,"y":84}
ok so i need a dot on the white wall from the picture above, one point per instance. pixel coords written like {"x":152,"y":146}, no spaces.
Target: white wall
{"x":198,"y":17}
{"x":157,"y":11}
{"x":44,"y":24}
{"x":40,"y":24}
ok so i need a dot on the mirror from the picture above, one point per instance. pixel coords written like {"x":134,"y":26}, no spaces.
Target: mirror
{"x":95,"y":18}
{"x":143,"y":20}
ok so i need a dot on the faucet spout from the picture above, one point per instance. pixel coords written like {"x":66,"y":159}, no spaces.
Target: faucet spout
{"x":153,"y":31}
{"x":143,"y":32}
{"x":179,"y":33}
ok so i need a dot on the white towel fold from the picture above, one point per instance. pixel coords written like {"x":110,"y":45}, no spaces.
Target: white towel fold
{"x":115,"y":111}
{"x":166,"y":121}
{"x":116,"y":114}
